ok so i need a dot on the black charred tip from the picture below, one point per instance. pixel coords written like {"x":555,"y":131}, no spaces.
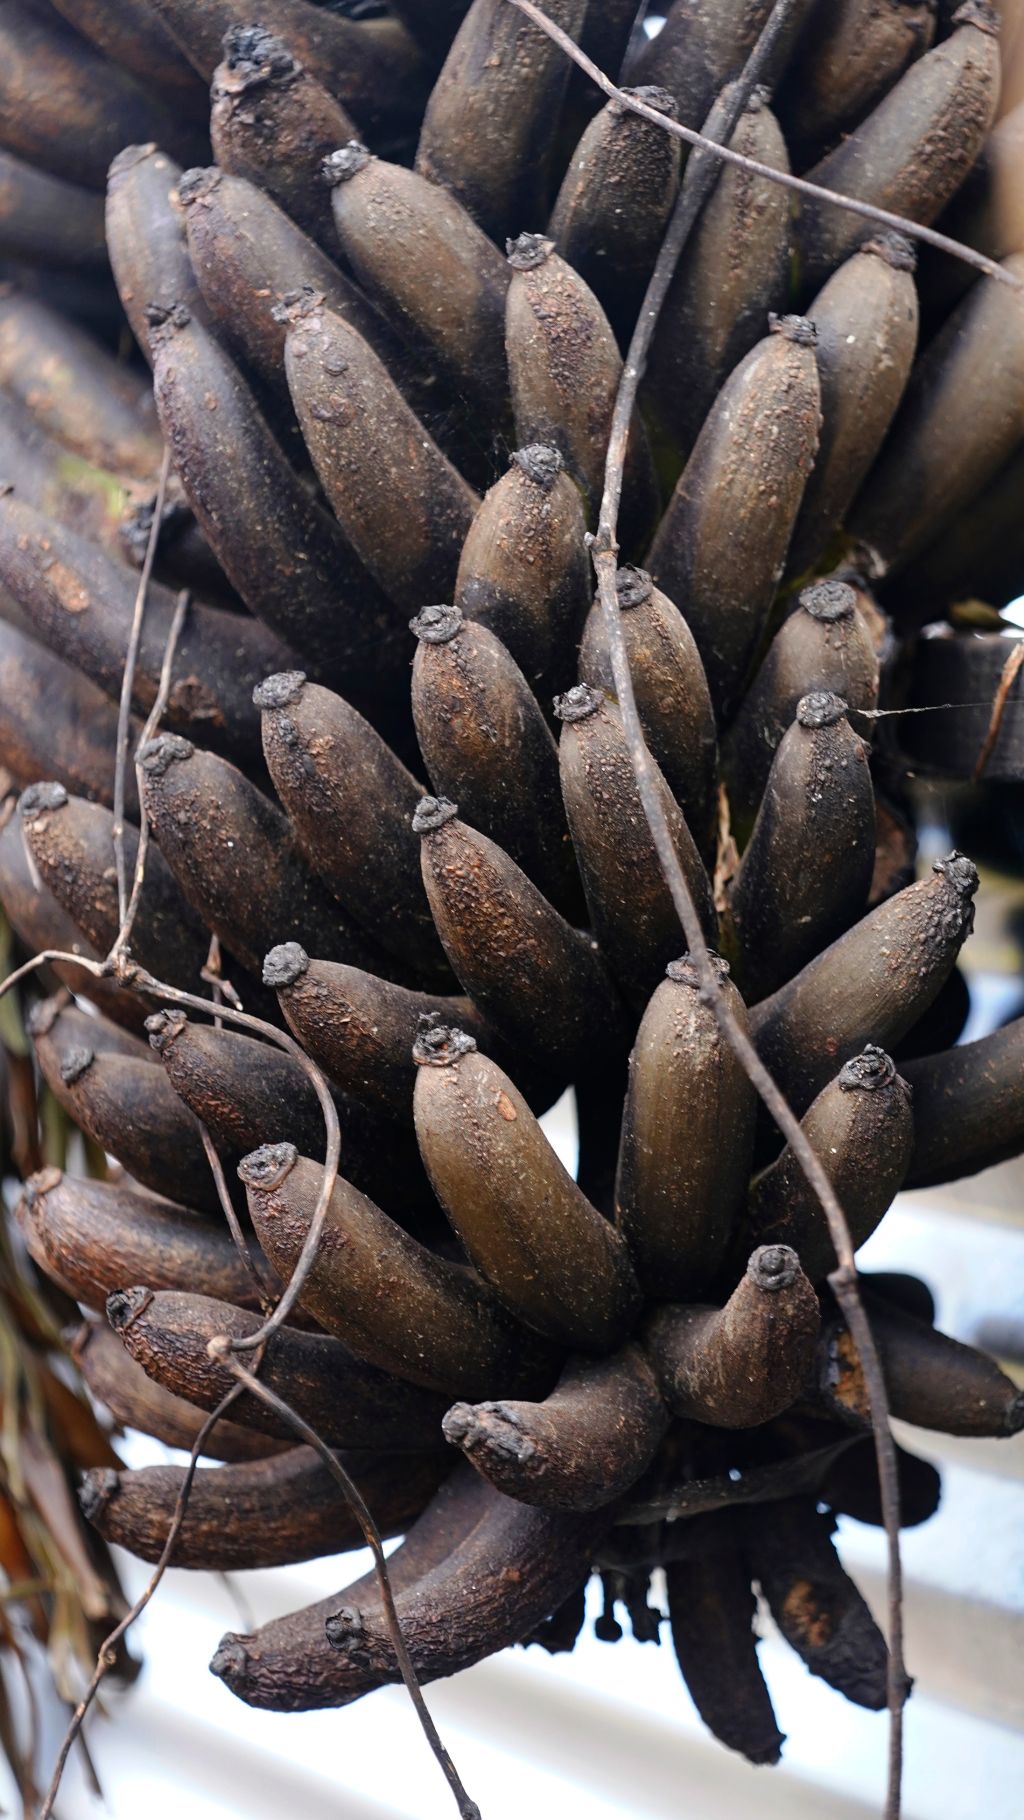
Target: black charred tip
{"x":660,"y":99}
{"x":438,"y":1045}
{"x":773,"y":1267}
{"x":798,"y":329}
{"x":346,"y":162}
{"x":125,"y":1305}
{"x":527,"y":251}
{"x":230,"y":1660}
{"x":895,"y":249}
{"x":253,"y":55}
{"x":166,"y":749}
{"x":39,"y":799}
{"x":344,"y":1628}
{"x":267,"y":1166}
{"x":540,"y":462}
{"x":868,"y":1071}
{"x":165,"y":319}
{"x":75,"y":1063}
{"x":436,"y":625}
{"x":164,"y":1027}
{"x":961,"y":872}
{"x":1015,"y":1416}
{"x":278,"y":690}
{"x":632,"y":586}
{"x":293,"y":307}
{"x":768,"y":1751}
{"x":285,"y":964}
{"x":821,"y":708}
{"x":491,"y":1425}
{"x":578,"y":703}
{"x":432,"y":812}
{"x":96,"y":1490}
{"x":828,"y":600}
{"x":200,"y":181}
{"x":460,"y":1424}
{"x":685,"y":971}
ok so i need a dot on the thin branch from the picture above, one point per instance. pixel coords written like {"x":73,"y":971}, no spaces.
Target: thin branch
{"x":802,"y":185}
{"x":141,"y":981}
{"x":241,"y":1243}
{"x":211,"y":974}
{"x":107,"y":1656}
{"x":604,"y":551}
{"x":220,"y":1348}
{"x":152,"y":724}
{"x":124,"y":710}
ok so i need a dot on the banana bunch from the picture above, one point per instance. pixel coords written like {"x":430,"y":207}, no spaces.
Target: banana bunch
{"x":384,"y":331}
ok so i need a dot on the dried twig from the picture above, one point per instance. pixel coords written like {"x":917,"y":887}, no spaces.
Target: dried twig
{"x":724,"y":154}
{"x":144,"y":982}
{"x":219,"y":1348}
{"x":604,"y":551}
{"x":107,"y":1653}
{"x":124,"y":710}
{"x":130,"y":911}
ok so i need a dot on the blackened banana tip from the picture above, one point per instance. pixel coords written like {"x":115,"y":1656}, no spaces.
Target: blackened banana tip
{"x":578,"y":703}
{"x":166,"y":749}
{"x":659,"y":98}
{"x":75,"y":1063}
{"x":895,"y":249}
{"x":821,"y":708}
{"x":165,"y":320}
{"x":961,"y":872}
{"x":253,"y":55}
{"x":200,"y":181}
{"x":230,"y":1659}
{"x":632,"y":586}
{"x":278,"y":690}
{"x":437,"y":625}
{"x":96,"y":1490}
{"x":125,"y":1305}
{"x":346,"y":162}
{"x":540,"y":463}
{"x":295,"y":306}
{"x":438,"y":1045}
{"x":285,"y":964}
{"x":344,"y":1628}
{"x":460,"y":1424}
{"x":828,"y":600}
{"x":798,"y":329}
{"x":685,"y":972}
{"x":164,"y":1027}
{"x":869,"y":1070}
{"x":773,"y":1267}
{"x":267,"y":1167}
{"x":432,"y":812}
{"x":1015,"y":1415}
{"x":40,"y":799}
{"x":527,"y":251}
